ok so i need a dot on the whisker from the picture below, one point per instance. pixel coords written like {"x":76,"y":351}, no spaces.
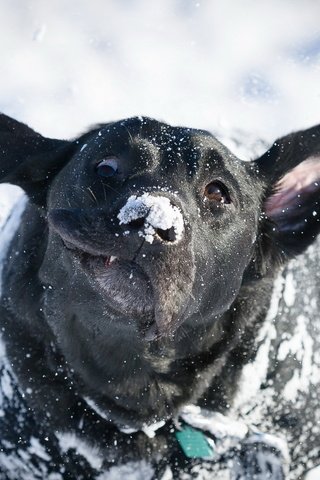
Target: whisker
{"x":130,"y":136}
{"x":86,"y":193}
{"x":138,"y":251}
{"x":104,"y":192}
{"x":111,"y":188}
{"x":93,"y":195}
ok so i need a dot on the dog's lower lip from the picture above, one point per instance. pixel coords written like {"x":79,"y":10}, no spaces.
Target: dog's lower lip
{"x":107,"y":259}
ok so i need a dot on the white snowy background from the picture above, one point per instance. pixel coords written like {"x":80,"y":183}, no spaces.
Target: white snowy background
{"x":254,"y":64}
{"x":213,"y":64}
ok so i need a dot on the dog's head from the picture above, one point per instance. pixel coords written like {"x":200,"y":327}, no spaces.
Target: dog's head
{"x":165,"y":222}
{"x":152,"y":232}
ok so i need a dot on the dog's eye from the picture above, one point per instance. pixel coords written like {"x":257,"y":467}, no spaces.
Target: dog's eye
{"x":107,"y":168}
{"x":217,"y":192}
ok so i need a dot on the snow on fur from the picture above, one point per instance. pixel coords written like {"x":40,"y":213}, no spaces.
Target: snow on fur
{"x":157,"y":212}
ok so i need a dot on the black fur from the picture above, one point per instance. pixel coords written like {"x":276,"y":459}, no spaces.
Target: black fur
{"x":168,"y":323}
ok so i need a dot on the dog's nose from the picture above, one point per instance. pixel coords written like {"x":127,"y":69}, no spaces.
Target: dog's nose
{"x":154,"y":216}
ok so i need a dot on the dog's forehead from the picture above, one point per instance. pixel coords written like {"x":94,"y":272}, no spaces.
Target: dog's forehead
{"x":163,"y":145}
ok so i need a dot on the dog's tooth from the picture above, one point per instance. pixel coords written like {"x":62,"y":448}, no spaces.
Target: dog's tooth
{"x":112,"y":259}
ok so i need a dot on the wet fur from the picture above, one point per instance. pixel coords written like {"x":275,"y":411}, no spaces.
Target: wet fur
{"x":208,"y":295}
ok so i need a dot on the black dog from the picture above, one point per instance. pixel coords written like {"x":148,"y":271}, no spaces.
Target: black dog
{"x":139,"y":282}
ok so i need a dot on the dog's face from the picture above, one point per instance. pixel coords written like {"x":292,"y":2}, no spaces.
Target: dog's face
{"x":153,"y":230}
{"x":160,"y":220}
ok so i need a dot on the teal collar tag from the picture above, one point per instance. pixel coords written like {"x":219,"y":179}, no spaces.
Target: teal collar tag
{"x":194,"y":443}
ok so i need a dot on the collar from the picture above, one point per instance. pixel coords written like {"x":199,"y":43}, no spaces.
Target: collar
{"x":206,"y":434}
{"x":210,"y":435}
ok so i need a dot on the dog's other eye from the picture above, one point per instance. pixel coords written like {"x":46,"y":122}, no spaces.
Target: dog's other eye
{"x":217,"y":192}
{"x":107,"y":168}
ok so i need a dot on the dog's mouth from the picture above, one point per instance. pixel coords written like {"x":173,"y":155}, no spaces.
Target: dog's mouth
{"x":123,"y":284}
{"x":109,"y":260}
{"x":137,"y":284}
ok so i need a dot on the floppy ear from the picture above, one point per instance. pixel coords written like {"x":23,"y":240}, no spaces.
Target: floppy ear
{"x":28,"y":159}
{"x":291,"y":170}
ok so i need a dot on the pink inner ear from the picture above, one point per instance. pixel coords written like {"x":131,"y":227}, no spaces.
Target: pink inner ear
{"x":303,"y":179}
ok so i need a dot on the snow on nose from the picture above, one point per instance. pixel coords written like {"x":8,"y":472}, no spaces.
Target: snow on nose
{"x":158,"y":215}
